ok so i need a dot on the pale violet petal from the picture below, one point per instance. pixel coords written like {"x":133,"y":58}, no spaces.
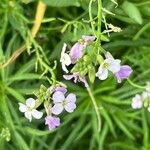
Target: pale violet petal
{"x":69,"y":107}
{"x":58,"y":97}
{"x":37,"y":114}
{"x":22,"y":107}
{"x":57,"y":108}
{"x":30,"y":102}
{"x":114,"y":66}
{"x":102,"y":73}
{"x":71,"y":98}
{"x":28,"y":115}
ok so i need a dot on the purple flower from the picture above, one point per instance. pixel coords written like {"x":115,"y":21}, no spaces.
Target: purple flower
{"x":88,"y":38}
{"x":77,"y":78}
{"x":123,"y":73}
{"x":76,"y":51}
{"x":52,"y":122}
{"x":60,"y":102}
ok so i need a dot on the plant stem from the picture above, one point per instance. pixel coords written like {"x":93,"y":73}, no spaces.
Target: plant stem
{"x":95,"y":107}
{"x":41,"y":7}
{"x":135,"y":85}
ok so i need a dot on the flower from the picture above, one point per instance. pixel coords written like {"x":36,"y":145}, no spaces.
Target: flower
{"x":65,"y":58}
{"x":76,"y":51}
{"x":109,"y":64}
{"x":52,"y":122}
{"x":29,"y":109}
{"x":123,"y":73}
{"x":76,"y":77}
{"x":137,"y":102}
{"x":60,"y":102}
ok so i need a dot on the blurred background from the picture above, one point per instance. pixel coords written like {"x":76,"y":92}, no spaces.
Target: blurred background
{"x":66,"y":21}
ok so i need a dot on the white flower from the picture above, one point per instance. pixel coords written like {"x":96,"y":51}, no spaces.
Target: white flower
{"x":65,"y":58}
{"x":61,"y":103}
{"x":29,"y":109}
{"x":137,"y":102}
{"x":109,"y":64}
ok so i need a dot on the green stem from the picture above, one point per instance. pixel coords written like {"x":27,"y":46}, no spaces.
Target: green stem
{"x":135,"y":85}
{"x":95,"y":107}
{"x":99,"y":15}
{"x":90,"y":16}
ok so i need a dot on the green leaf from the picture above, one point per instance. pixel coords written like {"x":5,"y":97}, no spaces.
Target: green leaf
{"x":62,"y":3}
{"x":132,"y":11}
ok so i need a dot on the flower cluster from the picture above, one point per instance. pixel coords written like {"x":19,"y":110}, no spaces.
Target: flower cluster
{"x":143,"y":100}
{"x":84,"y":59}
{"x":55,"y":100}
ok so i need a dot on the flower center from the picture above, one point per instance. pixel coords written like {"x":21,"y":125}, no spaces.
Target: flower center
{"x":64,"y":102}
{"x":106,"y":65}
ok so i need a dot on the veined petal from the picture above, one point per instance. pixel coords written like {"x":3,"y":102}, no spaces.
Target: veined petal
{"x":71,"y":98}
{"x":22,"y":107}
{"x":57,"y":108}
{"x":30,"y":102}
{"x":28,"y":115}
{"x":37,"y":114}
{"x":102,"y":73}
{"x":69,"y":107}
{"x":58,"y":97}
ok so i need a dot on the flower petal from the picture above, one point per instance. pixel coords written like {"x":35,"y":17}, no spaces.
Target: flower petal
{"x":88,"y":38}
{"x":123,"y":73}
{"x":102,"y":73}
{"x":30,"y":102}
{"x":76,"y":51}
{"x":22,"y":107}
{"x":69,"y":107}
{"x":61,"y":89}
{"x":114,"y":65}
{"x":58,"y":97}
{"x":69,"y":77}
{"x":137,"y":102}
{"x":71,"y":98}
{"x":37,"y":114}
{"x":64,"y":68}
{"x":52,"y":122}
{"x":57,"y":108}
{"x":28,"y":115}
